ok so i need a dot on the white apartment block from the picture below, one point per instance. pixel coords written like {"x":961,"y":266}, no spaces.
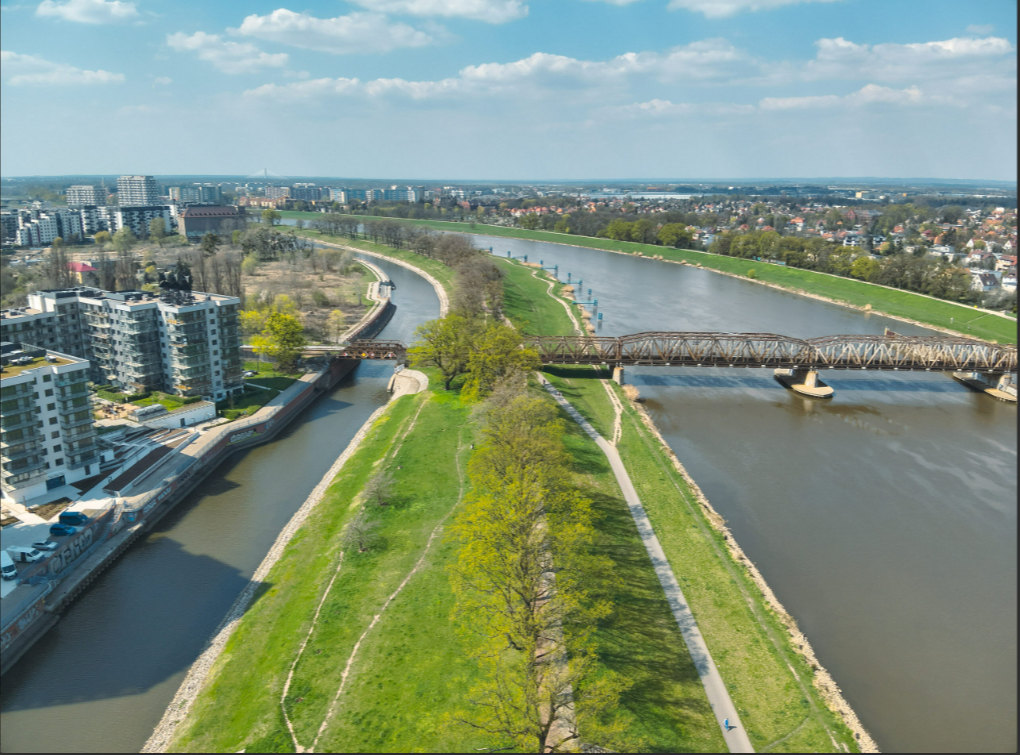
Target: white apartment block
{"x":137,"y":191}
{"x":47,"y":435}
{"x":41,"y":227}
{"x":81,"y":195}
{"x":188,"y":344}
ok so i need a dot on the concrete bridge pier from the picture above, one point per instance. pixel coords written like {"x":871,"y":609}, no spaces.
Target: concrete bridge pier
{"x":618,"y":375}
{"x":1001,"y":387}
{"x":804,"y":381}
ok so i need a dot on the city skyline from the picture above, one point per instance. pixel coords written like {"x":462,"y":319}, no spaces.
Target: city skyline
{"x":511,"y":90}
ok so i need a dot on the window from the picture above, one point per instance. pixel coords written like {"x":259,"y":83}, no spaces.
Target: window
{"x":49,"y":392}
{"x":47,"y":378}
{"x":53,"y":420}
{"x":58,"y":462}
{"x":56,"y":448}
{"x":54,"y":435}
{"x":50,"y":407}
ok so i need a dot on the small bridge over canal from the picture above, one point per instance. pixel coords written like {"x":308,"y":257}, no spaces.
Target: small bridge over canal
{"x":796,"y":360}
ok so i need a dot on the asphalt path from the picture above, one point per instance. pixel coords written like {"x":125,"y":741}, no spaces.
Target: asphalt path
{"x":719,"y":698}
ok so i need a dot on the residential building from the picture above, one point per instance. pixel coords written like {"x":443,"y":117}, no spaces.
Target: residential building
{"x":137,"y":191}
{"x":137,"y":218}
{"x":47,"y":434}
{"x":81,"y":195}
{"x":306,"y":191}
{"x":41,"y":227}
{"x":277,"y":192}
{"x":187,"y":343}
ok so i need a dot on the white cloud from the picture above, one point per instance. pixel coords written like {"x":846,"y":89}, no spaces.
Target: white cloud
{"x":541,"y":74}
{"x":229,"y":57}
{"x":354,"y":33}
{"x":89,"y":11}
{"x":980,"y":29}
{"x":162,"y":81}
{"x":866,"y":95}
{"x":658,"y":108}
{"x":28,"y":69}
{"x":727,"y":8}
{"x":489,"y":11}
{"x":840,"y":58}
{"x":614,"y":2}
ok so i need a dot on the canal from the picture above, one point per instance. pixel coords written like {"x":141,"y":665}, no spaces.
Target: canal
{"x":100,"y":680}
{"x":884,"y":519}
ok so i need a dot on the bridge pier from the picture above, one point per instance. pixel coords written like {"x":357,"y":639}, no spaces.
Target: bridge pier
{"x":1001,"y":387}
{"x":804,"y":381}
{"x":618,"y":375}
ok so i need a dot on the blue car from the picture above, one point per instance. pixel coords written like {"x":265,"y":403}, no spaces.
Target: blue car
{"x":62,"y":529}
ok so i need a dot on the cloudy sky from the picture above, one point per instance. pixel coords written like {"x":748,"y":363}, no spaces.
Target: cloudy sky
{"x":511,"y":89}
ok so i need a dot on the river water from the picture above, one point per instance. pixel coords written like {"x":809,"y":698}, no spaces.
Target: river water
{"x":884,"y":519}
{"x":100,"y":680}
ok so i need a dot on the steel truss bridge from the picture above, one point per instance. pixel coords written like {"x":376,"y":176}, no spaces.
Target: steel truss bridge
{"x":691,"y":349}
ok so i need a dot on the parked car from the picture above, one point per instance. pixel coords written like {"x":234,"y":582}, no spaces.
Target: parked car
{"x":45,"y":545}
{"x":73,"y":517}
{"x":249,"y":373}
{"x":26,"y":555}
{"x":60,"y":529}
{"x":7,"y":568}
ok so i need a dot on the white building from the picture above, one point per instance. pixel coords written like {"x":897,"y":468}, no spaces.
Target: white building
{"x":188,"y":344}
{"x":80,"y":195}
{"x":47,"y":436}
{"x":137,"y":191}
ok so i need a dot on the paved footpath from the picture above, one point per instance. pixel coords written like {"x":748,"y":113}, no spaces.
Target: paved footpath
{"x":735,"y":736}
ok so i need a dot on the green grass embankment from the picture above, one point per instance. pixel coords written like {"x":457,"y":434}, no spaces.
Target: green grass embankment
{"x":781,"y":710}
{"x":959,"y":318}
{"x":410,"y":668}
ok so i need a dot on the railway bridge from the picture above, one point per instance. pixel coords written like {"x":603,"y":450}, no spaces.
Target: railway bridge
{"x":796,"y":361}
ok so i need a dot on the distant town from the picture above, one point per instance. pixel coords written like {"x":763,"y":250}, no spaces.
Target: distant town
{"x":952,"y":240}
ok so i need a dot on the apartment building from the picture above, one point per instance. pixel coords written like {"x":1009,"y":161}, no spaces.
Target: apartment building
{"x":41,"y":227}
{"x":186,"y":343}
{"x":137,"y":191}
{"x":81,"y":195}
{"x":47,"y":435}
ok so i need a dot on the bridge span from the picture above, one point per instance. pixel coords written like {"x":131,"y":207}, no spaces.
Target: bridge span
{"x":796,"y":360}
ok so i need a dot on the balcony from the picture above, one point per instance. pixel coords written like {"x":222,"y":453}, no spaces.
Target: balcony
{"x":23,"y":451}
{"x":67,"y":423}
{"x":19,"y":421}
{"x":23,"y":471}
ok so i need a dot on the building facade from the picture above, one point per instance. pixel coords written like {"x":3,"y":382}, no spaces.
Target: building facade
{"x":47,"y":434}
{"x":195,"y":222}
{"x":188,"y":344}
{"x":137,"y":191}
{"x":80,"y":195}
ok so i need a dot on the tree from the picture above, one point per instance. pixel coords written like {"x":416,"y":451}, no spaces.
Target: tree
{"x":210,"y":242}
{"x":270,"y":216}
{"x":101,"y":238}
{"x":358,"y":532}
{"x":285,"y":339}
{"x":336,"y":325}
{"x":379,"y":488}
{"x":157,"y":230}
{"x":497,"y":355}
{"x":524,"y":582}
{"x":445,"y":344}
{"x":124,"y":240}
{"x":675,"y":235}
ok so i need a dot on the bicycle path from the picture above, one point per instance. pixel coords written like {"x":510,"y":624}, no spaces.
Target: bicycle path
{"x":718,"y":697}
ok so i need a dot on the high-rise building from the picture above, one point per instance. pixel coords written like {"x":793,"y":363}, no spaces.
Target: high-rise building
{"x":80,"y":195}
{"x":47,"y":434}
{"x":187,"y":343}
{"x":136,"y":191}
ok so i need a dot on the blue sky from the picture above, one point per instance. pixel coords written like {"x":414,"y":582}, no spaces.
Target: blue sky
{"x":511,"y":89}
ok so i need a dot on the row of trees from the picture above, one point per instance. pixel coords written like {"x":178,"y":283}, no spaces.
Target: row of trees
{"x":529,"y":586}
{"x":915,"y":272}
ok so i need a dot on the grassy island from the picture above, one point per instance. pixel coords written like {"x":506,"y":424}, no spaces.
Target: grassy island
{"x":351,"y":645}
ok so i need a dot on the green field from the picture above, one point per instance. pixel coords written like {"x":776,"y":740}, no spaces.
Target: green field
{"x":959,"y":318}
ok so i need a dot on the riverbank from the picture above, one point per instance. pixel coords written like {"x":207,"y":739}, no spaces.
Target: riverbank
{"x":918,"y":309}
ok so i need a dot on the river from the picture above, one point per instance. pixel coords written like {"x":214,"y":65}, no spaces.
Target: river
{"x":884,"y":519}
{"x":100,"y":680}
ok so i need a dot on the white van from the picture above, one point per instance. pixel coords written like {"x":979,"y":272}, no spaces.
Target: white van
{"x":25,"y":554}
{"x":7,"y":568}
